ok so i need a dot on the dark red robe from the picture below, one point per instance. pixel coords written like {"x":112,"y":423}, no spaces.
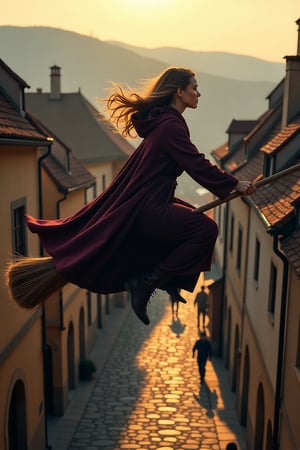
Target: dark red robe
{"x":99,"y":248}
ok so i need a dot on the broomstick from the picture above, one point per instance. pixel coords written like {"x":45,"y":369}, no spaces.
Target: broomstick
{"x":32,"y":280}
{"x":258,"y":184}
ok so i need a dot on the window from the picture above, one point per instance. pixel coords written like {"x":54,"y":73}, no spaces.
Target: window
{"x":220,"y":222}
{"x":272,"y":289}
{"x":231,"y":233}
{"x":239,"y":249}
{"x":103,"y":182}
{"x":256,"y":260}
{"x":19,"y":241}
{"x":89,"y":307}
{"x":224,"y":223}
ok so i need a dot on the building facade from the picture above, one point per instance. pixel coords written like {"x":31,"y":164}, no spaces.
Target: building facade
{"x":260,"y":268}
{"x":44,"y":352}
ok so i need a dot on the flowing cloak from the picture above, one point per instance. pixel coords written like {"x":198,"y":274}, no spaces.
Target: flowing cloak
{"x":99,"y":247}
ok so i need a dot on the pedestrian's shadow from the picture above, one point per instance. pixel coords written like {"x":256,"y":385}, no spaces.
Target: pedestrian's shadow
{"x":207,"y":399}
{"x":177,"y":327}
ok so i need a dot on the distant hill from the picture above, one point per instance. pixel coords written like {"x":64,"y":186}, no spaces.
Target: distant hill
{"x":91,"y":64}
{"x":228,"y":65}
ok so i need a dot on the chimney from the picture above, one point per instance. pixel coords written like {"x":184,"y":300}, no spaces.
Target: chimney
{"x":291,"y":94}
{"x":55,"y":93}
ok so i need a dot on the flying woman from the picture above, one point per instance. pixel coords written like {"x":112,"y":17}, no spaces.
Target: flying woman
{"x":136,"y":235}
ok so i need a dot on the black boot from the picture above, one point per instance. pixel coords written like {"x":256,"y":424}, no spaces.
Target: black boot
{"x":174,"y":293}
{"x":141,"y":289}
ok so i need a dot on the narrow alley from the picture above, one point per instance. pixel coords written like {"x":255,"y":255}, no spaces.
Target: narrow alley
{"x":146,"y":393}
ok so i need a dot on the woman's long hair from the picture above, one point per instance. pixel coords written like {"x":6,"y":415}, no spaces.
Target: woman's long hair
{"x":122,"y":104}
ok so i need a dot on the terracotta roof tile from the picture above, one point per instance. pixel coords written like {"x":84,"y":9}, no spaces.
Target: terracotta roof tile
{"x":281,"y":138}
{"x":75,"y":178}
{"x":14,"y":126}
{"x":275,"y":200}
{"x":252,"y":170}
{"x":291,"y":247}
{"x":236,"y":159}
{"x":220,"y":152}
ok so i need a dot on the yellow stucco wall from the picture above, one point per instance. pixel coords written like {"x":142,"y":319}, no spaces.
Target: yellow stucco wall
{"x":258,"y":374}
{"x":290,"y":430}
{"x":20,"y":337}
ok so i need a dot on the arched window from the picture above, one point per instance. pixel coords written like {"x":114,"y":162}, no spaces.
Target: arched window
{"x":245,"y":388}
{"x":71,"y":357}
{"x":17,"y":422}
{"x":82,"y":352}
{"x":236,"y":360}
{"x":260,"y":418}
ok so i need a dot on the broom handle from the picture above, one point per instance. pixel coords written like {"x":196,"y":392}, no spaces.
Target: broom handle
{"x":258,"y":184}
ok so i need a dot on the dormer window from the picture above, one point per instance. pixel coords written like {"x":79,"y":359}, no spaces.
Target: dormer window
{"x":269,"y":165}
{"x":296,"y":204}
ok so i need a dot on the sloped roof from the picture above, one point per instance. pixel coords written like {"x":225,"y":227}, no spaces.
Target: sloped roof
{"x":237,"y":159}
{"x":251,"y":170}
{"x":241,"y":126}
{"x":13,"y":74}
{"x":77,"y":177}
{"x":291,"y":246}
{"x":282,"y":138}
{"x":261,"y":121}
{"x":80,"y":126}
{"x":16,"y":127}
{"x":220,"y":152}
{"x":275,"y":201}
{"x":67,"y":178}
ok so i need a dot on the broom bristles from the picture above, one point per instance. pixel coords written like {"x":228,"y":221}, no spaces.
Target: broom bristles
{"x":32,"y":280}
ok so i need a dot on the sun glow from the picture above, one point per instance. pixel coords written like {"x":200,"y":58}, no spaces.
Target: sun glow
{"x":200,"y":25}
{"x":148,"y":2}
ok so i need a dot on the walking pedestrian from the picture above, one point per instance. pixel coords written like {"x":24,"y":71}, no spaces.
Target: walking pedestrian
{"x":174,"y":306}
{"x":137,"y":235}
{"x":231,"y":446}
{"x":204,"y":352}
{"x":201,"y":302}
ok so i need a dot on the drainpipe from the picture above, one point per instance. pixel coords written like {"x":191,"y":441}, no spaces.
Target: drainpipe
{"x":226,"y":212}
{"x":246,"y":279}
{"x":43,"y":317}
{"x":282,"y":324}
{"x":61,"y":309}
{"x":61,"y":306}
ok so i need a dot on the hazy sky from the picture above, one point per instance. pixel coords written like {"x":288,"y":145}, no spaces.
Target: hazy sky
{"x":262,"y":28}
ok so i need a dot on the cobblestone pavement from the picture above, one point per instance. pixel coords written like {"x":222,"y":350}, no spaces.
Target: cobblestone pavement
{"x":148,"y":396}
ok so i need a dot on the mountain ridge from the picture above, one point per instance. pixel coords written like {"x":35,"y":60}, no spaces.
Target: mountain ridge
{"x":234,"y":66}
{"x":90,"y":65}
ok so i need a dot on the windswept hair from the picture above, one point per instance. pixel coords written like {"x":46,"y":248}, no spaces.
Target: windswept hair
{"x":123,"y":103}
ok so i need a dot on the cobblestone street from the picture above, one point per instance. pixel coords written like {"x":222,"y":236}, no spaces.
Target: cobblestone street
{"x":147,"y":394}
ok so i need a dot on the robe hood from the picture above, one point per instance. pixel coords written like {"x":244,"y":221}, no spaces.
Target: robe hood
{"x":144,"y":123}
